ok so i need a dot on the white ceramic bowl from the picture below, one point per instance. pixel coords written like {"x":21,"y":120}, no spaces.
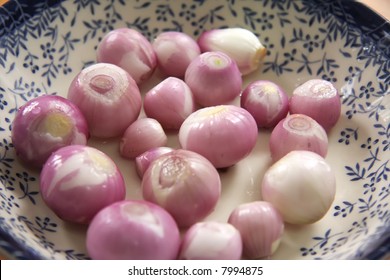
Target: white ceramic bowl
{"x":44,"y":44}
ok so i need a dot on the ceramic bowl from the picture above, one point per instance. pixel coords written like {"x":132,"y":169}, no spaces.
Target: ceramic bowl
{"x":44,"y":44}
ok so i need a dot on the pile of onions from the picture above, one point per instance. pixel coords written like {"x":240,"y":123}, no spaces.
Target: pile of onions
{"x":45,"y":124}
{"x":78,"y":181}
{"x":217,"y":134}
{"x":184,"y":183}
{"x":130,"y":50}
{"x":133,"y":230}
{"x":182,"y":186}
{"x":108,"y":97}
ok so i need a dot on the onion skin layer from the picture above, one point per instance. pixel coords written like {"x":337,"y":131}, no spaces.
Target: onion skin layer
{"x":142,"y":135}
{"x":45,"y":124}
{"x":170,"y":102}
{"x":130,"y":50}
{"x":108,"y":97}
{"x":301,"y":185}
{"x":261,"y":227}
{"x":133,"y":230}
{"x":318,"y":99}
{"x":143,"y":161}
{"x":78,"y":181}
{"x":175,"y":51}
{"x":217,"y":134}
{"x":184,"y":183}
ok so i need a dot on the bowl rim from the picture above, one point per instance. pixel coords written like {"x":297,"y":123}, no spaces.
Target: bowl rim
{"x":12,"y":248}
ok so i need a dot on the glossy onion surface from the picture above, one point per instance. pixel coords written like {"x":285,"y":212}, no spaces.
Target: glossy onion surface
{"x":133,"y":230}
{"x":217,"y":134}
{"x":130,"y":50}
{"x":45,"y":124}
{"x":108,"y":97}
{"x":185,"y":183}
{"x":78,"y":181}
{"x":301,"y":185}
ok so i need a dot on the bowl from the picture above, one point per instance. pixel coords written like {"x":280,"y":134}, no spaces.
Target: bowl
{"x":44,"y":44}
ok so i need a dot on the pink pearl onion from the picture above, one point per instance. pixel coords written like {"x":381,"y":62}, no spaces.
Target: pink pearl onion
{"x":318,"y":99}
{"x":133,"y":230}
{"x":170,"y":102}
{"x":78,"y":181}
{"x":175,"y":51}
{"x":212,"y":241}
{"x":266,"y":101}
{"x":130,"y":50}
{"x":261,"y":227}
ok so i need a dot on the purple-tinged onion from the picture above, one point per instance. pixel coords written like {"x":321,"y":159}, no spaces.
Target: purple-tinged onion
{"x":78,"y":181}
{"x":175,"y":51}
{"x":45,"y":124}
{"x":170,"y":102}
{"x":184,"y":183}
{"x":240,"y":44}
{"x":143,"y":161}
{"x":130,"y":50}
{"x":211,"y":241}
{"x":133,"y":230}
{"x":266,"y":101}
{"x":318,"y":99}
{"x":298,"y":132}
{"x":223,"y":134}
{"x":261,"y":227}
{"x":108,"y":97}
{"x":213,"y":78}
{"x":301,"y":185}
{"x":142,"y":135}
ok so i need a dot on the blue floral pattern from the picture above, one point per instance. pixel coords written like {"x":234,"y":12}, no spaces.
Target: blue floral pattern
{"x":46,"y":42}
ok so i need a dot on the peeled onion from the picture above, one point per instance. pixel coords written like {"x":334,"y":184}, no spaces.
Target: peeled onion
{"x":213,"y":78}
{"x":133,"y":230}
{"x":301,"y":185}
{"x":223,"y":134}
{"x":45,"y":124}
{"x":261,"y":227}
{"x":170,"y":102}
{"x":266,"y":101}
{"x":175,"y":51}
{"x":142,"y":135}
{"x":318,"y":99}
{"x":108,"y":97}
{"x":78,"y":181}
{"x":240,"y":44}
{"x":211,"y":241}
{"x":130,"y":50}
{"x":298,"y":132}
{"x":184,"y":183}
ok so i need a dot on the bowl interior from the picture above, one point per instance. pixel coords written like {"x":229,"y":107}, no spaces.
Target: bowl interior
{"x":45,"y":44}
